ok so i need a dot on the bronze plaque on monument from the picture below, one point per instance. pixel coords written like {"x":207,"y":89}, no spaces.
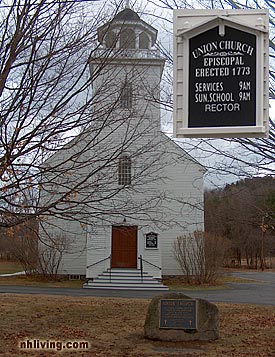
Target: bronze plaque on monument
{"x":178,"y":314}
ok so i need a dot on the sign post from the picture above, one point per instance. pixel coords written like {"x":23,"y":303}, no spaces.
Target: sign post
{"x":221,"y":73}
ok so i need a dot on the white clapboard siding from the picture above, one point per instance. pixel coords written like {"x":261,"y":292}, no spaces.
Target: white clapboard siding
{"x":98,"y":249}
{"x":180,"y":179}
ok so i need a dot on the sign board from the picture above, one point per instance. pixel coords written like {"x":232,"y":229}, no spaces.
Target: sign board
{"x":151,"y":240}
{"x":221,"y":73}
{"x":178,"y":314}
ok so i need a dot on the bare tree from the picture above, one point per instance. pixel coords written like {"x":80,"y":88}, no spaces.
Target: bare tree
{"x":48,"y":106}
{"x":43,"y":77}
{"x":20,"y":243}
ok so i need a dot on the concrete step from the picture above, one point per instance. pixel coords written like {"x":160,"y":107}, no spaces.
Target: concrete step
{"x":133,"y":286}
{"x":123,"y":278}
{"x":127,"y":279}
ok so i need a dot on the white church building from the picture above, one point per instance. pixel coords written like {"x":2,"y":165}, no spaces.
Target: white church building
{"x":150,"y":191}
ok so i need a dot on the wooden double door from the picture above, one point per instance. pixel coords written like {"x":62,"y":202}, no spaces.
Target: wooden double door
{"x":124,"y":247}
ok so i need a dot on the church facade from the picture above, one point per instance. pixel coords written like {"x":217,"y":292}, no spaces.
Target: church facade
{"x":153,"y":189}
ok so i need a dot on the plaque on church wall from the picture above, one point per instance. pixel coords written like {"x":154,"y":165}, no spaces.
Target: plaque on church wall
{"x":178,"y":314}
{"x":221,"y":73}
{"x":151,"y":240}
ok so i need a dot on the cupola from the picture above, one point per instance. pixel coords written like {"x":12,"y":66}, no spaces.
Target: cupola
{"x":126,"y":31}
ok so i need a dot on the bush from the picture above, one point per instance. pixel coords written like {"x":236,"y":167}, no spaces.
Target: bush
{"x":200,"y":256}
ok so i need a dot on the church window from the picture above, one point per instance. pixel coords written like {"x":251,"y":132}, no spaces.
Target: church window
{"x":128,"y":39}
{"x":124,"y":170}
{"x":143,"y":41}
{"x":110,"y":39}
{"x":126,"y":96}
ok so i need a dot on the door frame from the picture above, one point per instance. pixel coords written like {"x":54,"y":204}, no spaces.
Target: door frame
{"x":135,"y":227}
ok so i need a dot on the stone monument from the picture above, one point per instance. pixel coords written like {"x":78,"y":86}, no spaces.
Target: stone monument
{"x":177,"y":317}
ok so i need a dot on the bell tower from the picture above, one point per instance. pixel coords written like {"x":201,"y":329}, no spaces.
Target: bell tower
{"x":127,"y":67}
{"x":127,"y":31}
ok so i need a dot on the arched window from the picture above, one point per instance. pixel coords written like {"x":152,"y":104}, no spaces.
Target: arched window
{"x":128,"y":39}
{"x":124,"y":170}
{"x":110,"y":39}
{"x":143,"y":41}
{"x":126,"y":96}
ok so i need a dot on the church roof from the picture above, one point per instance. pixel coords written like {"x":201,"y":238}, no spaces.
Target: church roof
{"x":126,"y":15}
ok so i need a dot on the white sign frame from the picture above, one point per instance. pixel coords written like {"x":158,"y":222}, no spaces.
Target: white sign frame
{"x":189,"y":23}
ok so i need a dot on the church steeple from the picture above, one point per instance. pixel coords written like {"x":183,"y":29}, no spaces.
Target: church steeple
{"x":132,"y":67}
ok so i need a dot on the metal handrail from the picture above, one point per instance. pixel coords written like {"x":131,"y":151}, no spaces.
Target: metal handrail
{"x":100,"y":261}
{"x":146,"y":261}
{"x":141,"y":266}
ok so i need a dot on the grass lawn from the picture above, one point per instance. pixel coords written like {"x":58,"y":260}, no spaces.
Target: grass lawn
{"x":113,"y":327}
{"x":180,"y":284}
{"x":8,"y":267}
{"x":33,"y":281}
